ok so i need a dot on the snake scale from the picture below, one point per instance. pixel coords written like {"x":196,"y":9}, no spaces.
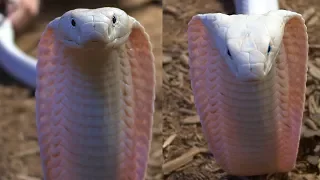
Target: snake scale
{"x":248,"y":75}
{"x":95,"y":96}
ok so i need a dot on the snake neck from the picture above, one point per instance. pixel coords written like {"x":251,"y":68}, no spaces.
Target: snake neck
{"x":93,"y":79}
{"x":93,"y":63}
{"x":88,"y":103}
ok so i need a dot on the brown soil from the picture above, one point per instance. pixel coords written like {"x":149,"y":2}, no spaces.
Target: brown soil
{"x":19,"y":155}
{"x":185,"y":153}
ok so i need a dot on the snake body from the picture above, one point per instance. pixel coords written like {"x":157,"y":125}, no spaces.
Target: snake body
{"x":13,"y":60}
{"x":248,"y":75}
{"x":95,"y":96}
{"x":255,"y":7}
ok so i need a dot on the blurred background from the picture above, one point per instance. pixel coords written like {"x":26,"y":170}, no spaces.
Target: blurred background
{"x":19,"y":151}
{"x":185,"y":151}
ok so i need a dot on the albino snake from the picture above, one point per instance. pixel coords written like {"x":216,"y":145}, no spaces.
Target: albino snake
{"x":248,"y":75}
{"x":95,"y":96}
{"x":23,"y":67}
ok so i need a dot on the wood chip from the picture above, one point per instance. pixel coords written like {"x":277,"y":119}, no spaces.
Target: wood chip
{"x":191,"y":120}
{"x":182,"y":160}
{"x":132,"y":3}
{"x":315,"y":118}
{"x":313,"y":70}
{"x":170,"y":10}
{"x":317,"y":63}
{"x":314,"y":160}
{"x":166,"y":59}
{"x":310,"y":89}
{"x":314,"y":46}
{"x":27,"y":152}
{"x":181,"y":79}
{"x":307,"y":14}
{"x":169,"y":140}
{"x":308,"y":122}
{"x":284,"y":5}
{"x":313,"y":21}
{"x":308,"y":133}
{"x":187,"y":111}
{"x":184,"y":59}
{"x":26,"y":177}
{"x":317,"y":149}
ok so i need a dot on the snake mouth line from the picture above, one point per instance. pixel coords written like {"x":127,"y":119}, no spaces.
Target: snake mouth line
{"x":250,"y":72}
{"x":113,"y":43}
{"x":75,"y":44}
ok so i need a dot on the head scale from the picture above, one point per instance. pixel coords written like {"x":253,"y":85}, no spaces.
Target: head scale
{"x":93,"y":28}
{"x":249,"y":44}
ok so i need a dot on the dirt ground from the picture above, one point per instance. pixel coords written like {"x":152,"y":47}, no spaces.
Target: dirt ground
{"x":19,"y":155}
{"x":185,"y":151}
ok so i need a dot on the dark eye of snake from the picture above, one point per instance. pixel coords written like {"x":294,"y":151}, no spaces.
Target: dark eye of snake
{"x":229,"y":53}
{"x":73,"y":22}
{"x":114,"y":19}
{"x":269,"y":48}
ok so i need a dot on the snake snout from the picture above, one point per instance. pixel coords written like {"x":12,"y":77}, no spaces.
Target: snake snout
{"x":251,"y":72}
{"x":94,"y":33}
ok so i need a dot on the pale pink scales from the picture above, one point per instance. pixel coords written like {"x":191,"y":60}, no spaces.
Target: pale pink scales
{"x":94,"y":113}
{"x":252,"y":128}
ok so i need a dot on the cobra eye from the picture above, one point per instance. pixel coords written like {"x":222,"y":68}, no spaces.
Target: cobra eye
{"x":229,"y":53}
{"x":269,"y":48}
{"x":73,"y":23}
{"x":114,"y":19}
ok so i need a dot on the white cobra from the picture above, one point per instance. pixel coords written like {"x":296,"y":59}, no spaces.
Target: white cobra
{"x":95,"y":96}
{"x":12,"y":59}
{"x":248,"y":75}
{"x":23,"y":67}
